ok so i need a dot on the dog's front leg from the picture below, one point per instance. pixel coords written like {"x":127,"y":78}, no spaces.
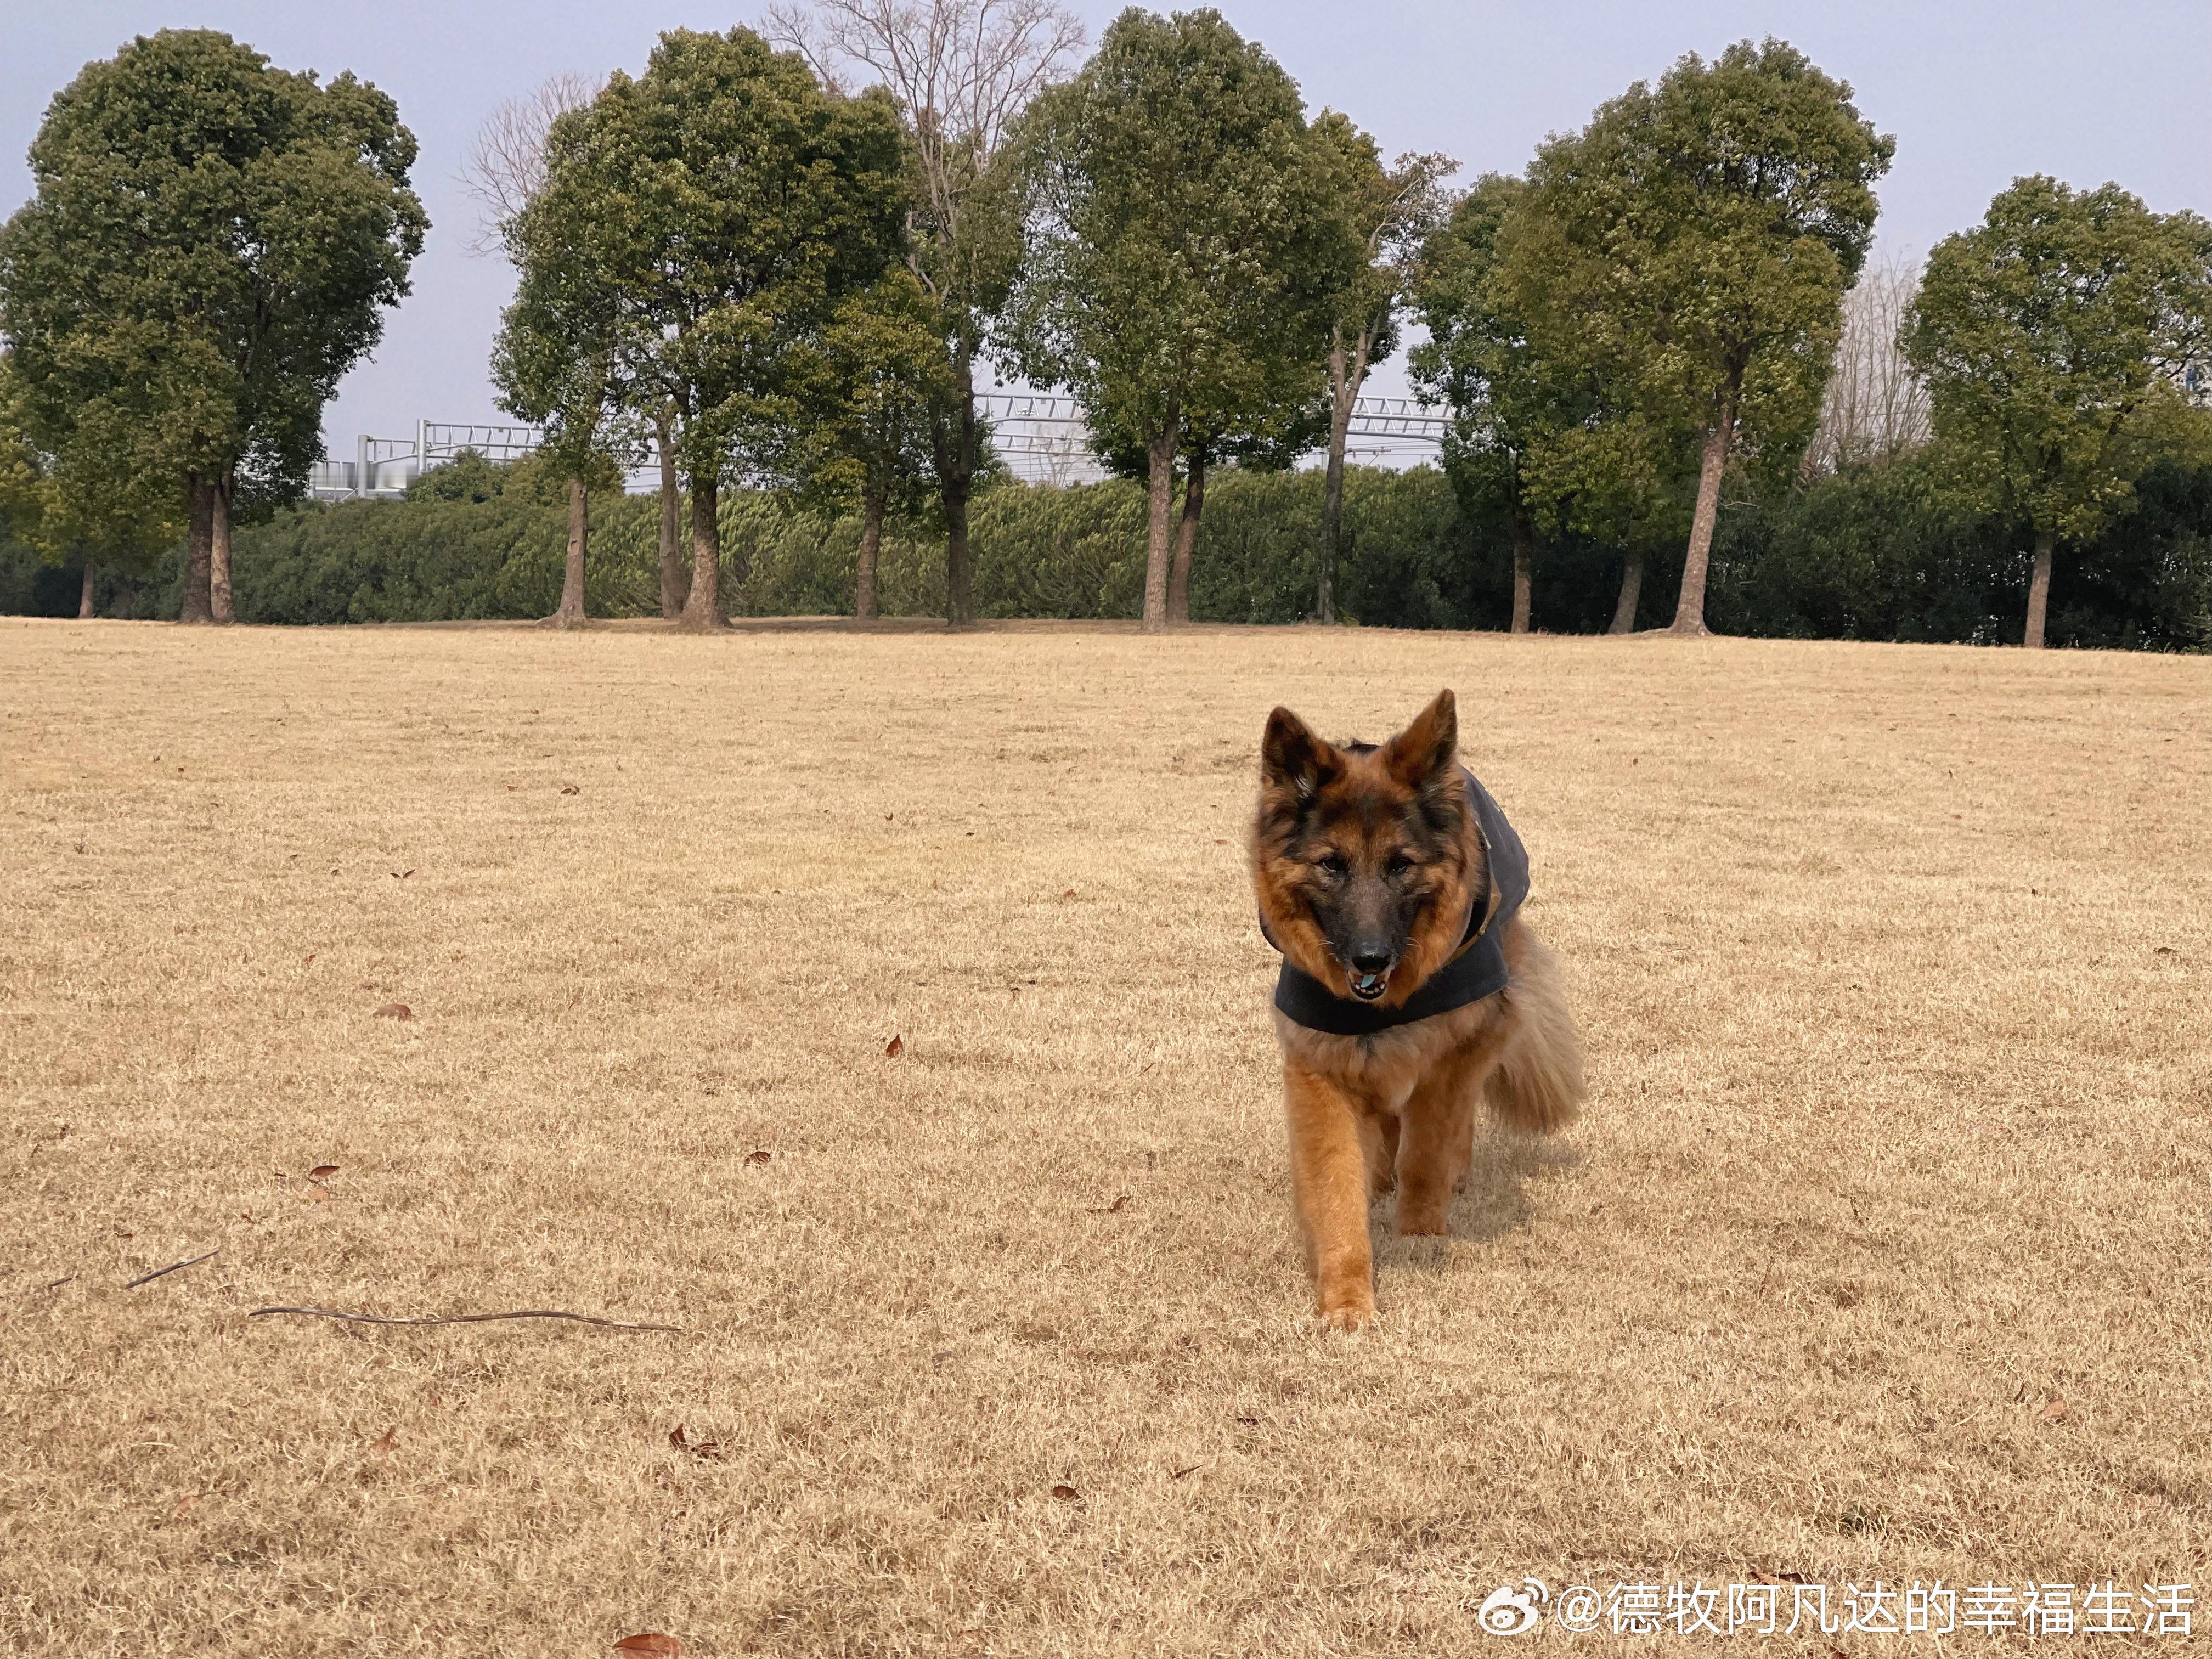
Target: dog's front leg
{"x":1329,"y":1172}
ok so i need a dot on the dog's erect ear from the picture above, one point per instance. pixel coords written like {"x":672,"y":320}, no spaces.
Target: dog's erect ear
{"x":1428,"y":746}
{"x":1291,"y":756}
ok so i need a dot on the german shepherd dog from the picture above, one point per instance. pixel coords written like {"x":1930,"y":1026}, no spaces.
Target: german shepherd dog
{"x":1412,"y":988}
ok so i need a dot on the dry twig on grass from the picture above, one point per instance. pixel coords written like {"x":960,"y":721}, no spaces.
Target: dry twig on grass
{"x":468,"y":1319}
{"x":148,"y":1278}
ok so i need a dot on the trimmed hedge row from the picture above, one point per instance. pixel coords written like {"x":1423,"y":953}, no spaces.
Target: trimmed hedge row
{"x":1870,"y":555}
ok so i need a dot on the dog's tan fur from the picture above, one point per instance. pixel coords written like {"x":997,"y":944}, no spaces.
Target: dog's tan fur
{"x":1396,"y":1108}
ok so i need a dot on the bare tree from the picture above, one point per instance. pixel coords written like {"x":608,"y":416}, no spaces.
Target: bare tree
{"x":507,"y":166}
{"x":1876,"y":408}
{"x":962,"y":72}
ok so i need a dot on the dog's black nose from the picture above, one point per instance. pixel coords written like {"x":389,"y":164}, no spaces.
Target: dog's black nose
{"x":1371,"y":962}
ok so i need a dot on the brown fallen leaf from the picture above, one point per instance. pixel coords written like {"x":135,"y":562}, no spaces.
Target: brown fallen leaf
{"x":1065,"y":1492}
{"x":651,"y":1642}
{"x":683,"y":1442}
{"x":758,"y":1155}
{"x":1070,"y":893}
{"x":322,"y":1172}
{"x":571,"y":789}
{"x":388,"y":1445}
{"x":401,"y":875}
{"x":895,"y":1048}
{"x":395,"y":1010}
{"x":1177,"y":1475}
{"x":1220,"y":841}
{"x":1115,"y":1208}
{"x":184,"y":1506}
{"x":2053,"y":1409}
{"x":311,"y":956}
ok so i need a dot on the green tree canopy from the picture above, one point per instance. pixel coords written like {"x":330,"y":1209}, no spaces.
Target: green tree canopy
{"x":213,"y":243}
{"x":1389,"y":214}
{"x":1711,"y":225}
{"x":555,"y":364}
{"x":1184,"y":257}
{"x":2053,"y":337}
{"x":716,"y":211}
{"x":84,"y":502}
{"x":1545,"y":422}
{"x":886,"y":380}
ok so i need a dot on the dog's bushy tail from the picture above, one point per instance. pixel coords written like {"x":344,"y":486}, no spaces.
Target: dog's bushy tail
{"x":1538,"y":1086}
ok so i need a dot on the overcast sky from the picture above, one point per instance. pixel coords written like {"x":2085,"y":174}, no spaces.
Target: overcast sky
{"x":1974,"y":92}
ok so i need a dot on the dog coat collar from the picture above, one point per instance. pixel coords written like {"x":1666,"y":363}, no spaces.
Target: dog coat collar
{"x":1476,"y":969}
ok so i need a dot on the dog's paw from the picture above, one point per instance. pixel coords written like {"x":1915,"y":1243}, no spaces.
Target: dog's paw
{"x":1351,"y":1318}
{"x":1422,"y":1224}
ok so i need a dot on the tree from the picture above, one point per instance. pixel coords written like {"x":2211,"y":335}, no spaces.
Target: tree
{"x":1184,"y":254}
{"x":81,"y":501}
{"x":1486,"y":361}
{"x":885,"y":377}
{"x":507,"y":168}
{"x":1715,"y":222}
{"x":2054,"y":338}
{"x":504,"y":174}
{"x":554,"y":365}
{"x":721,"y":205}
{"x":1545,"y":424}
{"x":1389,"y":213}
{"x":962,"y":72}
{"x":1267,"y":434}
{"x":212,"y":245}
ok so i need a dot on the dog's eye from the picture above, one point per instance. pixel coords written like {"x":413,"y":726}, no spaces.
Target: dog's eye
{"x":1399,"y":864}
{"x":1333,"y":867}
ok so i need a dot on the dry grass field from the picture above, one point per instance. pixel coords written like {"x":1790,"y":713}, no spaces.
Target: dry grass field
{"x":1882,"y":1251}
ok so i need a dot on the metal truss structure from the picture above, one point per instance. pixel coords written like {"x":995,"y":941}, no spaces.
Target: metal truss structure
{"x":1042,"y":436}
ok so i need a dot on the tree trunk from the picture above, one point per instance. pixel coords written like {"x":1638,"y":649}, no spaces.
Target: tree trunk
{"x":1159,"y":456}
{"x":219,"y":603}
{"x":955,"y":480}
{"x":1632,"y":590}
{"x":1690,"y":608}
{"x":571,"y":613}
{"x":1193,"y":502}
{"x":871,"y":542}
{"x":199,"y":550}
{"x":84,"y":610}
{"x":702,"y":610}
{"x":671,"y":526}
{"x":1343,"y":391}
{"x":1524,"y":559}
{"x":2039,"y":590}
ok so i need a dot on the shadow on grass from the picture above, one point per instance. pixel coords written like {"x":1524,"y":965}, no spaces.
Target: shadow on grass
{"x":1495,"y":1202}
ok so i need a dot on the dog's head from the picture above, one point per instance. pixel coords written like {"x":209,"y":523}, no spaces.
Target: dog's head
{"x":1363,"y":857}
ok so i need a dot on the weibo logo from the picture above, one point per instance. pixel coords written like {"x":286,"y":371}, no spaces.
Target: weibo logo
{"x":1513,"y":1609}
